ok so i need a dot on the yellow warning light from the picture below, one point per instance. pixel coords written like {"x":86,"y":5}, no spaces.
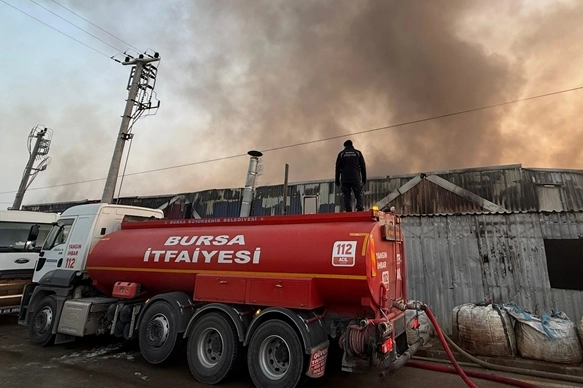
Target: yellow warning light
{"x":374,"y":212}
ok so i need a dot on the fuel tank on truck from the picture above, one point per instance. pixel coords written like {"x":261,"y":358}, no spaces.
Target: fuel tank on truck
{"x":304,"y":261}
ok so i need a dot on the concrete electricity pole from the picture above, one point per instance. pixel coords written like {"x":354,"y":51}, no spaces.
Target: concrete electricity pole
{"x":40,"y":149}
{"x":137,"y":76}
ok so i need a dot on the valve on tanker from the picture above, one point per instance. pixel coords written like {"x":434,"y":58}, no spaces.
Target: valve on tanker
{"x":385,"y":329}
{"x":415,"y":325}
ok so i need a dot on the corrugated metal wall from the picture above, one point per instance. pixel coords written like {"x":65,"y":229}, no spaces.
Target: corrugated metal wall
{"x":456,"y":259}
{"x":268,"y":200}
{"x":512,"y":187}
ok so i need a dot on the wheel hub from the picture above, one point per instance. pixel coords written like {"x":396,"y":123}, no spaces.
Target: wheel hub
{"x":274,"y":357}
{"x":158,"y":331}
{"x":42,"y":322}
{"x":281,"y":354}
{"x":210,"y":348}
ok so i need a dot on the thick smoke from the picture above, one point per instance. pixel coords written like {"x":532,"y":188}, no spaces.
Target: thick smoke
{"x":288,"y":72}
{"x":242,"y":75}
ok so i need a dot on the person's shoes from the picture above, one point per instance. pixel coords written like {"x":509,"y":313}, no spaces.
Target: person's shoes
{"x":359,"y":209}
{"x":348,"y":210}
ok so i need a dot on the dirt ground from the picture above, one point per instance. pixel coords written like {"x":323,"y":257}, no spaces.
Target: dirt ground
{"x":97,"y":362}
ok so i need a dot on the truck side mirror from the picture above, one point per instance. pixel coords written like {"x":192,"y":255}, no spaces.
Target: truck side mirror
{"x":33,"y":233}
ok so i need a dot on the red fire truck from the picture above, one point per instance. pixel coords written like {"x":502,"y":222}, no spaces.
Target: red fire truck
{"x":278,"y":289}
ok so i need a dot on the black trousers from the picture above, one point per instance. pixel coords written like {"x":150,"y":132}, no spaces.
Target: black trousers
{"x":347,"y":189}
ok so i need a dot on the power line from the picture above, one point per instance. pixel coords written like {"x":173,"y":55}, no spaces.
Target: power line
{"x":58,"y":185}
{"x":324,"y":139}
{"x":76,"y":26}
{"x":95,"y":25}
{"x":60,"y":32}
{"x":421,"y":120}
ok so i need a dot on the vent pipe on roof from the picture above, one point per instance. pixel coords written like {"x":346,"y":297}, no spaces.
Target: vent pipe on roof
{"x":250,"y":183}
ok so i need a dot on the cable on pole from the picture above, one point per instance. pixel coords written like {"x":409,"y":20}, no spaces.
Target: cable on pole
{"x":322,"y":139}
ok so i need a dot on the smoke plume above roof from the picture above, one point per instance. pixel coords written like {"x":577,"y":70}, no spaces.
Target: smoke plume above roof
{"x":242,"y":75}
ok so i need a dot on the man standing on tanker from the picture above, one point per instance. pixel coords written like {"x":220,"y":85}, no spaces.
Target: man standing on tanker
{"x":351,"y":173}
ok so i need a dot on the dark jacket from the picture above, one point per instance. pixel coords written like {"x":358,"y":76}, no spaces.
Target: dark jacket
{"x":350,"y":167}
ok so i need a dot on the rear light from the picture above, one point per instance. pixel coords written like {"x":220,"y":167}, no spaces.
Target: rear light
{"x":387,"y":346}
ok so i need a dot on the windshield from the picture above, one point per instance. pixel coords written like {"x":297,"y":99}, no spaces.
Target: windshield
{"x":14,"y":236}
{"x":58,"y":234}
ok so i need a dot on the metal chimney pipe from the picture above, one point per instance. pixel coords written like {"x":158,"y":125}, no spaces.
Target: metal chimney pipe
{"x":250,"y":183}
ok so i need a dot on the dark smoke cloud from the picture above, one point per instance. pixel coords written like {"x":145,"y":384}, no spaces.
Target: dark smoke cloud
{"x":290,"y":72}
{"x":241,"y":75}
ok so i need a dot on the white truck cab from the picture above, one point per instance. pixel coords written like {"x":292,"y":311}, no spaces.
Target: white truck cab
{"x":78,"y":229}
{"x":21,"y":236}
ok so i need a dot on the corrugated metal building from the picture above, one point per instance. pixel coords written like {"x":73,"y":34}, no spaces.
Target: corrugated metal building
{"x":506,"y":233}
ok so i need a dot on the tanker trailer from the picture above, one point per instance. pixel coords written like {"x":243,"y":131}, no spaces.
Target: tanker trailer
{"x":277,"y":289}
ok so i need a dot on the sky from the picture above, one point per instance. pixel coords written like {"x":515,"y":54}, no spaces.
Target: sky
{"x":291,"y":79}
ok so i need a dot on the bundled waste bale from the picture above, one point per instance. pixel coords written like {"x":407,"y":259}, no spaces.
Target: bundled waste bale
{"x":580,"y":330}
{"x":425,"y":329}
{"x":551,"y":338}
{"x":484,"y":330}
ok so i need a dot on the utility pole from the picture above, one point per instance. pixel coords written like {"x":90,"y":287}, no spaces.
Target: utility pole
{"x":139,"y":82}
{"x":40,"y":149}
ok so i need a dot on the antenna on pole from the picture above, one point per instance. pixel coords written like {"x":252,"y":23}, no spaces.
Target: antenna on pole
{"x":39,"y":151}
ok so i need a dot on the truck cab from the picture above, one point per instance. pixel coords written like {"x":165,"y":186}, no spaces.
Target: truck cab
{"x":76,"y":232}
{"x":62,"y":259}
{"x":21,"y":236}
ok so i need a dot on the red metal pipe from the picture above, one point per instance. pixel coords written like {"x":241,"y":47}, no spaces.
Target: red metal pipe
{"x":316,"y":317}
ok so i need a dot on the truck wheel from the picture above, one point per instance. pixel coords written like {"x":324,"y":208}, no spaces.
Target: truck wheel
{"x":43,"y":321}
{"x":275,"y":357}
{"x":158,"y":333}
{"x":214,"y":351}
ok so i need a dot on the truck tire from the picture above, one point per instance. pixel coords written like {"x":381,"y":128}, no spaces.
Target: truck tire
{"x":275,"y":357}
{"x":214,"y":351}
{"x":43,"y":321}
{"x":158,"y":332}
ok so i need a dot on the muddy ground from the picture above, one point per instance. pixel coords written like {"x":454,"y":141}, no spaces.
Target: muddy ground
{"x":102,"y":362}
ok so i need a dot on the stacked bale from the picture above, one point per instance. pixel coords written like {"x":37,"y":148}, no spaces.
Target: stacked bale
{"x":484,"y":330}
{"x":551,"y":338}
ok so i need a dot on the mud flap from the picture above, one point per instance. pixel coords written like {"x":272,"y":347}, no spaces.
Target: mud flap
{"x":318,"y":357}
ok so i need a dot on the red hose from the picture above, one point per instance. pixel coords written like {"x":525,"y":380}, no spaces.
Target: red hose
{"x":479,"y":375}
{"x":458,"y":369}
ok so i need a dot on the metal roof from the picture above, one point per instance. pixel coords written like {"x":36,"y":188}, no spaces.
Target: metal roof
{"x":488,"y":189}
